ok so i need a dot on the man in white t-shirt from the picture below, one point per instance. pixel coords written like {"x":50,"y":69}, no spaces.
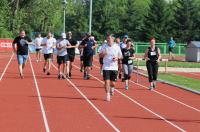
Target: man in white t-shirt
{"x":111,"y":53}
{"x":38,"y":47}
{"x":62,"y":57}
{"x":49,"y":43}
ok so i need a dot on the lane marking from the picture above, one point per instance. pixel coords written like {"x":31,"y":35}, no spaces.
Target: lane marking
{"x":142,"y":106}
{"x":39,"y":98}
{"x":6,"y":67}
{"x":164,"y":95}
{"x":85,"y":97}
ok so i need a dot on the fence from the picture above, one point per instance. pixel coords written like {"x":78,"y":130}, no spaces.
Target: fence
{"x":140,"y":48}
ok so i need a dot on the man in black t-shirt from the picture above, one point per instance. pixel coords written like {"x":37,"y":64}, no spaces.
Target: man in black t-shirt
{"x":71,"y":51}
{"x":22,"y":42}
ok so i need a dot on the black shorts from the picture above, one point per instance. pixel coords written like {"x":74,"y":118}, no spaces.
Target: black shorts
{"x":71,"y":57}
{"x":171,"y":49}
{"x":101,"y":61}
{"x":47,"y":56}
{"x":37,"y":50}
{"x":62,"y":59}
{"x":110,"y":75}
{"x":87,"y":61}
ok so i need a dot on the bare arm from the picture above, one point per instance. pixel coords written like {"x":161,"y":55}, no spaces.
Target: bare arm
{"x":159,"y":55}
{"x":146,"y":55}
{"x":14,"y":47}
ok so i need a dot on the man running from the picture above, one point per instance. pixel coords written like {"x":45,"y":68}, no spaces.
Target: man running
{"x":38,"y":47}
{"x":49,"y":43}
{"x":22,"y":42}
{"x":71,"y":51}
{"x":62,"y":57}
{"x":88,"y":46}
{"x":111,"y":53}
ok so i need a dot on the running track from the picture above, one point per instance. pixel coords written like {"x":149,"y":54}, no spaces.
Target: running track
{"x":42,"y":103}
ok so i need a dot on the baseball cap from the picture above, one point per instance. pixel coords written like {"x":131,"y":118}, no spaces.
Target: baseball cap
{"x":63,"y":35}
{"x":125,"y":36}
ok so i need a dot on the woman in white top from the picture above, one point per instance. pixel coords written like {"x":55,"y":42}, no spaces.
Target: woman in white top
{"x":38,"y":47}
{"x":49,"y":43}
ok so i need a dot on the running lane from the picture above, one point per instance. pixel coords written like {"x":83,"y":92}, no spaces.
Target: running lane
{"x":66,"y":109}
{"x":177,"y":113}
{"x":19,"y":112}
{"x":194,"y":75}
{"x":5,"y":60}
{"x":126,"y":114}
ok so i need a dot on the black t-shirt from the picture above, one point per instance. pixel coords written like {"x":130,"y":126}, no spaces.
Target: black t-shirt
{"x":126,"y":54}
{"x":71,"y":51}
{"x":22,"y":46}
{"x":88,"y":51}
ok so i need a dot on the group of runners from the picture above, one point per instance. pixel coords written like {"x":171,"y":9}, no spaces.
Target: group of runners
{"x":115,"y":57}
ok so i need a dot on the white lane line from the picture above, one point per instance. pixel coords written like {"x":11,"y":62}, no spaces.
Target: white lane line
{"x":164,"y":95}
{"x":39,"y":98}
{"x":85,"y":97}
{"x":162,"y":118}
{"x":6,"y":67}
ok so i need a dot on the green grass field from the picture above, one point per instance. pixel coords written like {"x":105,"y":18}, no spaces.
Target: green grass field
{"x":180,"y":80}
{"x":174,"y":64}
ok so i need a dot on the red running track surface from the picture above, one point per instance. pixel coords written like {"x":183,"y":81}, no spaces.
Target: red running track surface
{"x":67,"y":110}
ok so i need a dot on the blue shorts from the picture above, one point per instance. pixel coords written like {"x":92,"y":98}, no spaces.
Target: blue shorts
{"x":22,"y":59}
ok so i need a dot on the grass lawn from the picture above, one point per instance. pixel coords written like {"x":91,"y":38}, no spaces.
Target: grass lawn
{"x":174,"y":64}
{"x":180,"y":80}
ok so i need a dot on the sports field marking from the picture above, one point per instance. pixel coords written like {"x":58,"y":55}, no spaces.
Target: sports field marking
{"x":85,"y":97}
{"x":164,"y":95}
{"x":134,"y":101}
{"x":6,"y":67}
{"x":39,"y":98}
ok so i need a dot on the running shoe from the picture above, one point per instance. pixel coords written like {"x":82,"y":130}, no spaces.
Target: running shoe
{"x":70,"y":74}
{"x":44,"y":69}
{"x":126,"y":87}
{"x":151,"y":88}
{"x":112,"y":90}
{"x":21,"y":76}
{"x":59,"y":76}
{"x":154,"y":84}
{"x":108,"y":98}
{"x":48,"y":73}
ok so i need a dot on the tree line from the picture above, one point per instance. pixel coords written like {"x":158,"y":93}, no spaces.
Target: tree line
{"x":140,"y":19}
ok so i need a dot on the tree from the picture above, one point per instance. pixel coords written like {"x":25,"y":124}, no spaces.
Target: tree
{"x":186,"y":20}
{"x":156,"y":21}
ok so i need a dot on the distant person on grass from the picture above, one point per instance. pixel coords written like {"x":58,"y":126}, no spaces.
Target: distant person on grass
{"x":152,"y":57}
{"x":38,"y":47}
{"x":171,"y":45}
{"x":22,"y":42}
{"x":110,"y":53}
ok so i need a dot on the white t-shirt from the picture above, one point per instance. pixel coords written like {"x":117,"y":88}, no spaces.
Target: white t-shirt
{"x":62,"y":43}
{"x":38,"y":42}
{"x":112,"y":51}
{"x":50,"y":43}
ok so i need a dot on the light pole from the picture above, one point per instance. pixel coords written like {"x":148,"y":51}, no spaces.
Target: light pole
{"x":64,"y":7}
{"x":90,"y":21}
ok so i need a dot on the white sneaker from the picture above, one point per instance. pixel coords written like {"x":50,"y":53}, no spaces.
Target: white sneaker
{"x":108,"y":97}
{"x":112,"y":90}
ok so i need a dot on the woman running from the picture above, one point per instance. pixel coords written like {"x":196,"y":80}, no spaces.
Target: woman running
{"x":152,"y":57}
{"x":127,"y":62}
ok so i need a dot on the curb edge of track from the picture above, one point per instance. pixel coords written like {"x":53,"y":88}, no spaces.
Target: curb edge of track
{"x":173,"y":84}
